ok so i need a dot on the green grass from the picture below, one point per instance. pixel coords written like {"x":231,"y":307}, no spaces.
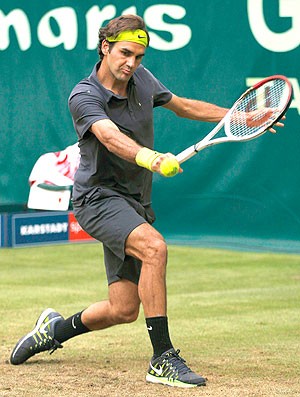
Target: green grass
{"x":235,"y":316}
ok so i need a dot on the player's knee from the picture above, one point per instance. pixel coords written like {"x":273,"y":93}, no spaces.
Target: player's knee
{"x":126,"y":315}
{"x":156,"y":250}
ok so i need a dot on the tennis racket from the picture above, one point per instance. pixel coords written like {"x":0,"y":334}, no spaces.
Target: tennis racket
{"x":257,"y":109}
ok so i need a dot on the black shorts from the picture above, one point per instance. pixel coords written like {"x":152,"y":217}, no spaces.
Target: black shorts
{"x":110,"y":217}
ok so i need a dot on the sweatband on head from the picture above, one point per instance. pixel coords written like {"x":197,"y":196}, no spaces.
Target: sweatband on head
{"x":138,"y":36}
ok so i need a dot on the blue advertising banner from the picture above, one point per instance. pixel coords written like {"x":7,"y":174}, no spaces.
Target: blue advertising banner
{"x":31,"y":229}
{"x":5,"y":230}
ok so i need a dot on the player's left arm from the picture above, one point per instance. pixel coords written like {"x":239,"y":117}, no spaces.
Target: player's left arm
{"x":202,"y":111}
{"x":195,"y":109}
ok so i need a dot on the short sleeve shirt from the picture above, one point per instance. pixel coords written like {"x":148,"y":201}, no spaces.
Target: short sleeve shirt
{"x":89,"y":102}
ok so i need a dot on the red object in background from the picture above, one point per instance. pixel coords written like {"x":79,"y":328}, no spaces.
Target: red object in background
{"x":75,"y":230}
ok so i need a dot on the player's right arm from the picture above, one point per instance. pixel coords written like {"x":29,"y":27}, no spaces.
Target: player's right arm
{"x":88,"y":113}
{"x":114,"y":140}
{"x":123,"y":146}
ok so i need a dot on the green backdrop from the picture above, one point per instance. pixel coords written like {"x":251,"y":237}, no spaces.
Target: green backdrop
{"x":243,"y":195}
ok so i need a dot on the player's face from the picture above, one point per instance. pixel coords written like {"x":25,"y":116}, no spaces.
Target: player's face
{"x":124,"y":58}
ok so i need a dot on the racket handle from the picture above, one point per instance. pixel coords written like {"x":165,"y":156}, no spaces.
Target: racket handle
{"x":186,"y":154}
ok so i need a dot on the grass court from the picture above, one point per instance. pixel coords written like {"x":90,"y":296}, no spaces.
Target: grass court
{"x":234,"y":315}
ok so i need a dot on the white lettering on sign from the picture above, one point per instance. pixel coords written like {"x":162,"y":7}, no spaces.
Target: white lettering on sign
{"x":66,"y":29}
{"x":75,"y":227}
{"x":66,"y":20}
{"x":44,"y":228}
{"x":273,"y":41}
{"x":250,"y":81}
{"x":94,"y":19}
{"x":181,"y":34}
{"x":19,"y":21}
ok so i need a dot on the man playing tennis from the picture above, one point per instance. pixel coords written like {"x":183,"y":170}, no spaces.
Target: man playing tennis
{"x":112,"y":112}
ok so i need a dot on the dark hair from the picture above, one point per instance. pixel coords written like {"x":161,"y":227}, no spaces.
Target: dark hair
{"x":118,"y":25}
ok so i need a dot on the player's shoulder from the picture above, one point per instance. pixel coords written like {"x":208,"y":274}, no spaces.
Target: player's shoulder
{"x":88,"y":85}
{"x":143,"y":71}
{"x":143,"y":76}
{"x":84,"y":86}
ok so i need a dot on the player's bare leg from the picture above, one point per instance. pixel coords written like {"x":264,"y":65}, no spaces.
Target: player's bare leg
{"x":166,"y":366}
{"x":121,"y":307}
{"x":146,"y":244}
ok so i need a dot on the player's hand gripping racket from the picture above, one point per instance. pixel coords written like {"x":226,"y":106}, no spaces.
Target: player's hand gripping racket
{"x":257,"y":110}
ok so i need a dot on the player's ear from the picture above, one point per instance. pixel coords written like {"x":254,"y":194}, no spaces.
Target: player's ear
{"x":105,"y":47}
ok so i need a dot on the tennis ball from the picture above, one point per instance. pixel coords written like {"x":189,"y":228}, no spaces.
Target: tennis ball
{"x":169,"y":167}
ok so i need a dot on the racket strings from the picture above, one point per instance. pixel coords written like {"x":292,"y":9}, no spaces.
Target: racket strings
{"x":259,"y":109}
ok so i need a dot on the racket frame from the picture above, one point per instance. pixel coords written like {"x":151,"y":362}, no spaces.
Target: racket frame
{"x":207,"y":140}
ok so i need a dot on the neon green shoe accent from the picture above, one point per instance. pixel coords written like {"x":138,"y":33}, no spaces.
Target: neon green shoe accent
{"x":170,"y":369}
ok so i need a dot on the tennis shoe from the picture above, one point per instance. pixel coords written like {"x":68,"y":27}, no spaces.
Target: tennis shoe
{"x":170,"y":369}
{"x":41,"y":338}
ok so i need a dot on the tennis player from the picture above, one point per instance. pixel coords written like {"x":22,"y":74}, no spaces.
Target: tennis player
{"x":112,"y":111}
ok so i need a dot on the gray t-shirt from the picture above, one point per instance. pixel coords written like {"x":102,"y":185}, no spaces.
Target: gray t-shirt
{"x":89,"y":102}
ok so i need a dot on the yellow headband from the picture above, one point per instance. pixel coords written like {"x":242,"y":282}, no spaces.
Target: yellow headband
{"x":138,"y":36}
